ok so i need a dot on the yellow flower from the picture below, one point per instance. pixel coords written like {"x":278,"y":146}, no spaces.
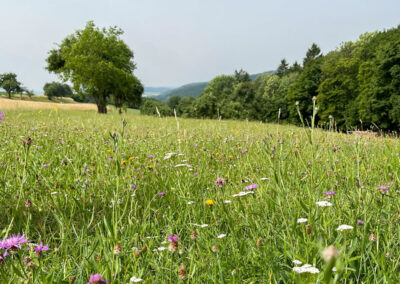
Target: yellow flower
{"x":40,"y":111}
{"x":210,"y":202}
{"x":123,"y":162}
{"x":108,"y":150}
{"x":130,"y":158}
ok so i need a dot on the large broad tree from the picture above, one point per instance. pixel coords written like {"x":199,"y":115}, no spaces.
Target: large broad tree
{"x":57,"y":90}
{"x":99,"y":64}
{"x":9,"y":82}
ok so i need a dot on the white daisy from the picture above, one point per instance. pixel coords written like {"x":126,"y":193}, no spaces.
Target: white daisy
{"x":135,"y":280}
{"x":221,"y":236}
{"x":344,"y":227}
{"x":264,"y":178}
{"x":302,"y":220}
{"x":323,"y":203}
{"x":297,"y":262}
{"x":190,"y":202}
{"x":227,"y":201}
{"x":306,"y":268}
{"x":243,"y":193}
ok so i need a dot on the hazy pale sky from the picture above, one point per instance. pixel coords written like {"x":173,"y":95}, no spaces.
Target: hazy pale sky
{"x":181,"y":41}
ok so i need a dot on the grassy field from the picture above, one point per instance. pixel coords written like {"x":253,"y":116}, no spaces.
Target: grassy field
{"x":195,"y":201}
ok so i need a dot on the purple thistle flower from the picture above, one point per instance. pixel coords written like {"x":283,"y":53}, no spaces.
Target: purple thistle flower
{"x":196,"y":145}
{"x":360,"y":222}
{"x":162,"y":193}
{"x":14,"y":242}
{"x":251,"y":187}
{"x":45,"y":165}
{"x":329,"y":193}
{"x":220,"y":182}
{"x":173,"y":238}
{"x":134,"y":186}
{"x":1,"y":115}
{"x":383,"y":189}
{"x":150,"y":156}
{"x":40,"y":248}
{"x":97,"y":279}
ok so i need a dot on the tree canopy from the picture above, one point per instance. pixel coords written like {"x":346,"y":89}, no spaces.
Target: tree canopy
{"x":9,"y":82}
{"x":57,"y":90}
{"x":99,"y":64}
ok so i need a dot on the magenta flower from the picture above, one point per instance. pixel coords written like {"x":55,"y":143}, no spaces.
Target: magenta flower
{"x":360,"y":222}
{"x":1,"y":115}
{"x":329,"y":193}
{"x":196,"y":145}
{"x":173,"y":238}
{"x":45,"y":165}
{"x":251,"y":187}
{"x":134,"y":186}
{"x":14,"y":242}
{"x":162,"y":193}
{"x":97,"y":279}
{"x":150,"y":156}
{"x":40,"y":248}
{"x":220,"y":182}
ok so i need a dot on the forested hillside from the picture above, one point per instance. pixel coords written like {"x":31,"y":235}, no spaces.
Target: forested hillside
{"x":356,"y":85}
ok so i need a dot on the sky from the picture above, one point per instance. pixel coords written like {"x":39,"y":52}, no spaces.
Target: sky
{"x":182,"y":41}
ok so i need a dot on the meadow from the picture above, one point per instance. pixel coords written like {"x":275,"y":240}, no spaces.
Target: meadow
{"x":162,"y":200}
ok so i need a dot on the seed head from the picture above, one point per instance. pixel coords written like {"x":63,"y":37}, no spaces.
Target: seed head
{"x":214,"y":249}
{"x":259,"y":242}
{"x":144,"y":248}
{"x":117,"y":249}
{"x":173,"y":246}
{"x":193,"y":235}
{"x":28,"y":203}
{"x":372,"y":238}
{"x":308,"y":229}
{"x":330,"y":253}
{"x":182,"y":272}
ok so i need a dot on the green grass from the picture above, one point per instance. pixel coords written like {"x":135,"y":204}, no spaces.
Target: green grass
{"x":84,"y":203}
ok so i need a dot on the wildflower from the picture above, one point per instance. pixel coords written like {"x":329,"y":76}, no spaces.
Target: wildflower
{"x":214,"y":249}
{"x":251,"y":187}
{"x":227,"y":201}
{"x":210,"y":202}
{"x":264,"y":179}
{"x":329,"y":253}
{"x":182,"y":272}
{"x":190,"y":202}
{"x":40,"y":248}
{"x":297,"y":262}
{"x":135,"y":280}
{"x":221,"y":236}
{"x":344,"y":227}
{"x":360,"y":222}
{"x":150,"y":156}
{"x":383,"y":189}
{"x":14,"y":242}
{"x":134,"y":186}
{"x":203,"y":225}
{"x":28,"y":203}
{"x":97,"y":279}
{"x":162,"y":193}
{"x":45,"y":165}
{"x":306,"y":268}
{"x":1,"y":115}
{"x":243,"y":193}
{"x":193,"y":235}
{"x":302,"y":220}
{"x":329,"y":193}
{"x":372,"y":238}
{"x":160,"y":249}
{"x":117,"y":249}
{"x":220,"y":182}
{"x":173,"y":243}
{"x":323,"y":203}
{"x":168,"y":156}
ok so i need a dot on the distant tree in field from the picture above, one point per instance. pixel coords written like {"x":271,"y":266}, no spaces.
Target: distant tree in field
{"x":313,"y":52}
{"x":57,"y":90}
{"x":241,"y":76}
{"x":153,"y":107}
{"x":185,"y":108}
{"x":99,"y":64}
{"x":9,"y":82}
{"x":283,"y":68}
{"x":28,"y":92}
{"x":173,"y":102}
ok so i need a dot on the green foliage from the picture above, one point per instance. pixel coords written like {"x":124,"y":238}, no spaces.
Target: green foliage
{"x":9,"y":82}
{"x":57,"y":90}
{"x":99,"y":64}
{"x":173,"y":102}
{"x":155,"y":108}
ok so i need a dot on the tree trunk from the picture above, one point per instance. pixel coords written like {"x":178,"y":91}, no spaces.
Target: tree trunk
{"x":101,"y":105}
{"x":9,"y":95}
{"x":120,"y":110}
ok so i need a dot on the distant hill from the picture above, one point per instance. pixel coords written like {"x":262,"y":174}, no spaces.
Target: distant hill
{"x":152,"y":92}
{"x":192,"y":89}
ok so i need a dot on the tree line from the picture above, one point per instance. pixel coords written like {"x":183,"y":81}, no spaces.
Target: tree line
{"x":356,"y":86}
